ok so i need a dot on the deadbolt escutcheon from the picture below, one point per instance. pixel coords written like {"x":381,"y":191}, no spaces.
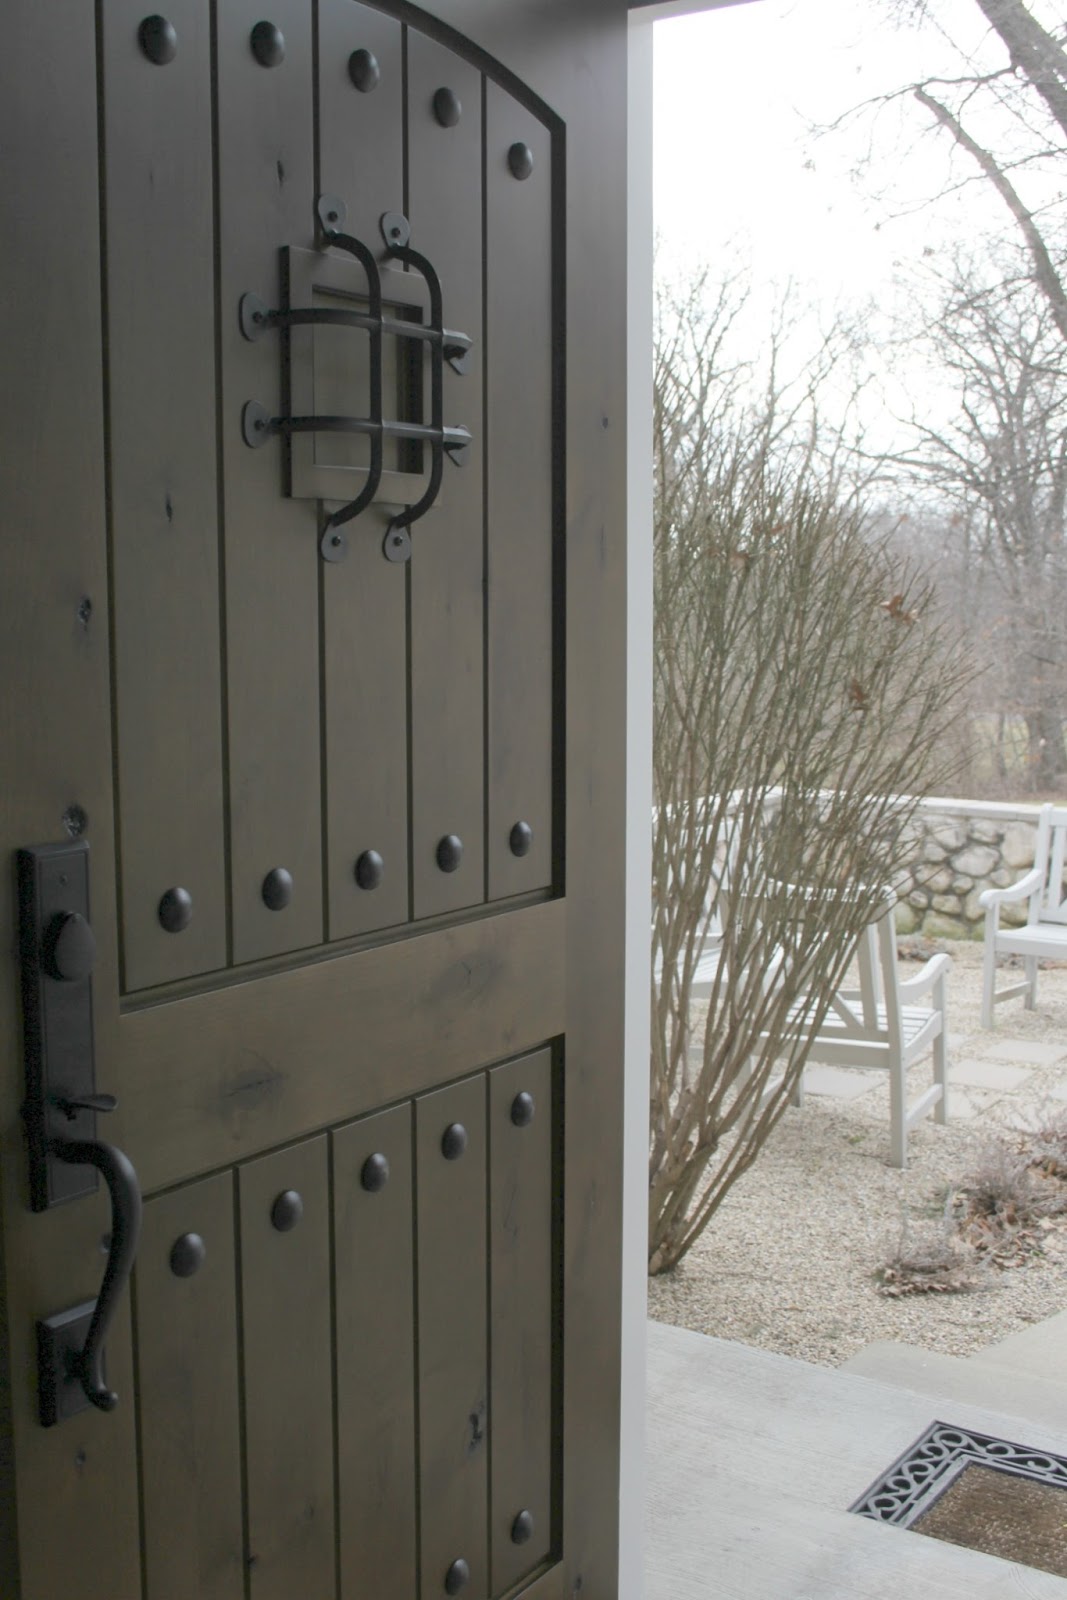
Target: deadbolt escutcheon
{"x":69,"y":948}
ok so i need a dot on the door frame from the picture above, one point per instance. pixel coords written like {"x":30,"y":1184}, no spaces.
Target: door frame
{"x":637,"y":1020}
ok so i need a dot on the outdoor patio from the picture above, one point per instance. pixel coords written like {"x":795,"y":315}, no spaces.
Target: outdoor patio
{"x":754,"y":1455}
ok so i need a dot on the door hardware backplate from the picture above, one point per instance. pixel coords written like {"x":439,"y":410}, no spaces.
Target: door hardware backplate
{"x":53,"y":893}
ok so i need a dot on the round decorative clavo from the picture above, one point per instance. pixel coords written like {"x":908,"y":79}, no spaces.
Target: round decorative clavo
{"x":369,"y":870}
{"x":523,"y":1108}
{"x":457,"y":1577}
{"x":374,"y":1174}
{"x":449,"y":852}
{"x":522,"y":1528}
{"x":158,"y":39}
{"x":277,"y":889}
{"x":520,"y":839}
{"x":520,"y":161}
{"x":175,"y":910}
{"x":364,"y":70}
{"x":447,"y":107}
{"x":268,"y":44}
{"x":454,"y":1141}
{"x":187,"y":1255}
{"x":287,"y":1211}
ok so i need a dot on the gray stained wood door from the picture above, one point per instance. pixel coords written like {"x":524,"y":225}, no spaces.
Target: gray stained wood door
{"x":351,"y":783}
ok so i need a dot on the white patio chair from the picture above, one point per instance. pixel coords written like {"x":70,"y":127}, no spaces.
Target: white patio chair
{"x":1045,"y":930}
{"x":879,"y":1024}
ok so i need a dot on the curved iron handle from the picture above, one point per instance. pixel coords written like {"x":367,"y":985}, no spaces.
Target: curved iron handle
{"x":125,"y":1191}
{"x":399,"y":248}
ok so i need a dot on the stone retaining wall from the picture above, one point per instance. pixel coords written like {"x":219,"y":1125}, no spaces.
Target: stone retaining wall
{"x":963,"y":847}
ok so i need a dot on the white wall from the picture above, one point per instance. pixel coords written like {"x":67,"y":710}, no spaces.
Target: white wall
{"x":639,"y":782}
{"x":638,"y":809}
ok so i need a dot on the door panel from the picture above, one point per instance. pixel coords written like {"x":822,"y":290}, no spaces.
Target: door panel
{"x":271,"y":560}
{"x":522,"y":1271}
{"x":288,"y":1402}
{"x":374,"y":1262}
{"x":365,"y":665}
{"x":521,"y":511}
{"x":452,"y":1362}
{"x":187,"y":1386}
{"x":164,"y":509}
{"x":447,"y":564}
{"x":353,"y":1405}
{"x":233,"y":1067}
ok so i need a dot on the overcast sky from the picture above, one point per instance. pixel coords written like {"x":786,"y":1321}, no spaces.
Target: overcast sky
{"x":737,"y":94}
{"x":743,"y":176}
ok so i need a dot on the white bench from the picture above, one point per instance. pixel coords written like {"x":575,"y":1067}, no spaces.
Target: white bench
{"x":1045,"y":931}
{"x":880,"y":1025}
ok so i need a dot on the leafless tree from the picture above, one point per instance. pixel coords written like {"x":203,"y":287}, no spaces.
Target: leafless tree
{"x":804,"y":690}
{"x":1010,"y":121}
{"x":997,"y":464}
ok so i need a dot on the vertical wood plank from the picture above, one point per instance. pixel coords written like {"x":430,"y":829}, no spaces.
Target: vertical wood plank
{"x":522,"y":1400}
{"x":520,"y":339}
{"x":288,"y":1391}
{"x":55,"y":733}
{"x":447,"y":562}
{"x":266,"y":201}
{"x":361,"y":156}
{"x":187,"y":1398}
{"x":164,"y":522}
{"x":453,"y":1424}
{"x":375,"y":1339}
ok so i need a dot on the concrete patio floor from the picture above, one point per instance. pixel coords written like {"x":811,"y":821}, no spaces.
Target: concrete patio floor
{"x":754,"y":1458}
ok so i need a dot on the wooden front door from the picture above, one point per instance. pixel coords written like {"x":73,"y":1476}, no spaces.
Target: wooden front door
{"x":311,"y":575}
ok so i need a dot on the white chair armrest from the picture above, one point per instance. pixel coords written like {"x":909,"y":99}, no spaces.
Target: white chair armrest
{"x":1020,"y":890}
{"x":925,"y":978}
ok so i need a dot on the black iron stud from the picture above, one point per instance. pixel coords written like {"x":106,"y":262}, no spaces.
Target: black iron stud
{"x":176,"y":910}
{"x":268,"y":44}
{"x":287,"y":1211}
{"x":454,"y":1141}
{"x":277,"y":889}
{"x":75,"y":821}
{"x":457,"y":1577}
{"x":364,"y":70}
{"x":522,"y":1528}
{"x":520,"y":161}
{"x":449,"y":852}
{"x":158,"y":40}
{"x":374,"y":1174}
{"x":520,"y":839}
{"x":447,"y":107}
{"x":522,"y":1109}
{"x":369,"y":870}
{"x":187,"y":1255}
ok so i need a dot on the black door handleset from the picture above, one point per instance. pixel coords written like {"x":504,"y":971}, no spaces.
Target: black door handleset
{"x":57,"y":953}
{"x":257,"y":424}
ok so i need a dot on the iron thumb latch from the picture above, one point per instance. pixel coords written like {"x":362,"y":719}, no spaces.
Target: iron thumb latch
{"x":444,"y":344}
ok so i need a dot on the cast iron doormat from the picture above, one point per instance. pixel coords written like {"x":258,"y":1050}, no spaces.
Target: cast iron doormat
{"x":985,"y":1494}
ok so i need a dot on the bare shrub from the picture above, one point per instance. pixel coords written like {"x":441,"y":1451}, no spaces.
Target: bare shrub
{"x":805,"y":686}
{"x":936,"y":1263}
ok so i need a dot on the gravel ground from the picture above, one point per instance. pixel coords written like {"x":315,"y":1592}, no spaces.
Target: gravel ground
{"x":787,"y":1262}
